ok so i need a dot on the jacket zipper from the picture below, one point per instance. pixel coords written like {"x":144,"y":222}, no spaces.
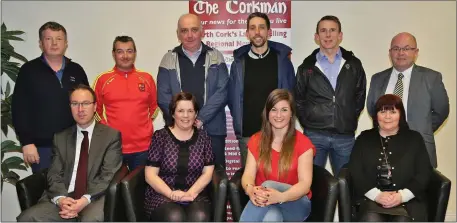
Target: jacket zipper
{"x":334,"y":93}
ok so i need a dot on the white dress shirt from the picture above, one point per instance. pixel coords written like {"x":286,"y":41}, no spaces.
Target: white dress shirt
{"x":406,"y":79}
{"x":79,"y":139}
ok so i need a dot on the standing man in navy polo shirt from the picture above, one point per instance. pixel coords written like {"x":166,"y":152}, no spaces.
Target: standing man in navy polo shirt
{"x":40,"y":105}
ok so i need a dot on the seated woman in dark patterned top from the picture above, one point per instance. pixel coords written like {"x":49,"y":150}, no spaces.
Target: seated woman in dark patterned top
{"x":179,"y":167}
{"x":390,"y":168}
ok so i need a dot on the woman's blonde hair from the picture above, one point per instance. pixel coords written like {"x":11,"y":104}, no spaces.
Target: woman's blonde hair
{"x":266,"y":134}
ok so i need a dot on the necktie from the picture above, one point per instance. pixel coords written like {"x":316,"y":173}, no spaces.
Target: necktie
{"x":399,"y":86}
{"x":81,"y":173}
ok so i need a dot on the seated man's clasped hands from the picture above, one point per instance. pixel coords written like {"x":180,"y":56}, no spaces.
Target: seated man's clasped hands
{"x":69,"y":207}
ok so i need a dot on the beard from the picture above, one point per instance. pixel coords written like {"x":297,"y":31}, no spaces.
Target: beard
{"x":261,"y":44}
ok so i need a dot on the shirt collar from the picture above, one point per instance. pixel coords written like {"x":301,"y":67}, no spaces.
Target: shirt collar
{"x":46,"y":62}
{"x":406,"y":73}
{"x":124,"y":72}
{"x":189,"y":54}
{"x":254,"y":55}
{"x":89,"y":129}
{"x":320,"y":56}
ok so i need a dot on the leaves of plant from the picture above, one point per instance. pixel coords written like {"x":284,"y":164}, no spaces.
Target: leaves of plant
{"x":13,"y":160}
{"x":11,"y":69}
{"x":17,"y":166}
{"x":18,"y":56}
{"x":8,"y":89}
{"x":9,"y":146}
{"x":3,"y":27}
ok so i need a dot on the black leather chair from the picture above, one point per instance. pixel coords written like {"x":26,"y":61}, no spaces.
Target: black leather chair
{"x":323,"y":202}
{"x":438,"y":196}
{"x":30,"y":190}
{"x":134,"y":185}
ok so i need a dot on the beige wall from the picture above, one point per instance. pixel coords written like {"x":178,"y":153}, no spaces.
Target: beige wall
{"x":367,"y":26}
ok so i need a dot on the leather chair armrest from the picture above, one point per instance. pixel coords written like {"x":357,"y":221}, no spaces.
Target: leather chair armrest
{"x":30,"y":189}
{"x":238,"y":198}
{"x":114,"y":209}
{"x":344,"y":202}
{"x":218,"y":192}
{"x":438,"y":196}
{"x":325,"y":195}
{"x":133,"y":188}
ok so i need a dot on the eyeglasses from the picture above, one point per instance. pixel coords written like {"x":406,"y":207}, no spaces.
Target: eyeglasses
{"x":404,"y":49}
{"x":83,"y":104}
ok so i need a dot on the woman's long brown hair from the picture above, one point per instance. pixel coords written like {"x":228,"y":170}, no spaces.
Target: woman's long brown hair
{"x":266,"y":135}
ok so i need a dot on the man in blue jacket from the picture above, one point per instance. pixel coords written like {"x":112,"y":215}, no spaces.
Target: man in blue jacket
{"x":201,"y":70}
{"x":258,"y":68}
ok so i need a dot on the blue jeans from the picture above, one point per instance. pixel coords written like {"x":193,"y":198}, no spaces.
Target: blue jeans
{"x":297,"y":210}
{"x":218,"y":145}
{"x":45,"y":154}
{"x":133,"y":160}
{"x":339,"y":146}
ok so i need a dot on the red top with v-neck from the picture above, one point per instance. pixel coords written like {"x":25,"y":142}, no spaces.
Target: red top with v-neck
{"x":302,"y":144}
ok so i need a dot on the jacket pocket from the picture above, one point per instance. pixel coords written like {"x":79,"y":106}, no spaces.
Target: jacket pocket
{"x":321,"y":115}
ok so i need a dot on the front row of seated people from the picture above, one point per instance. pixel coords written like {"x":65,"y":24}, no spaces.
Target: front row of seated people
{"x":389,"y":166}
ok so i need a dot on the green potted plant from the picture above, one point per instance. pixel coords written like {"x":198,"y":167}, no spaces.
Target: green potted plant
{"x":11,"y":69}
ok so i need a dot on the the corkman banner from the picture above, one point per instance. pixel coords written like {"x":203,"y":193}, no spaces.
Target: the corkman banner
{"x":225,"y":24}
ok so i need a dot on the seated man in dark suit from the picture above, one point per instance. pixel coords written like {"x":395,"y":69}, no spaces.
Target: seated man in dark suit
{"x":79,"y":174}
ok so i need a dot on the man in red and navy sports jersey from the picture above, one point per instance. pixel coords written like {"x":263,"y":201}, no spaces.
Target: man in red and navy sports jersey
{"x":127,"y":101}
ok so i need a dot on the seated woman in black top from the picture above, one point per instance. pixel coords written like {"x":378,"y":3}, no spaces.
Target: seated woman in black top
{"x":390,"y":168}
{"x":180,"y":166}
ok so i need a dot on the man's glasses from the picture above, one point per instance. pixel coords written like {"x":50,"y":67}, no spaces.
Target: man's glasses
{"x":83,"y":104}
{"x":404,"y":49}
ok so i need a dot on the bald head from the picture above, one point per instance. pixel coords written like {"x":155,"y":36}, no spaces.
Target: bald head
{"x":404,"y":36}
{"x":403,"y":51}
{"x":188,"y":18}
{"x":190,"y":32}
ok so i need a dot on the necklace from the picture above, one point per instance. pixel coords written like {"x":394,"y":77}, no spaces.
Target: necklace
{"x":385,"y":156}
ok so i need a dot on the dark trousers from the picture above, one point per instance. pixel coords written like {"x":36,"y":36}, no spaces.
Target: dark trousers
{"x":218,"y":145}
{"x":47,"y":211}
{"x":196,"y":211}
{"x":45,"y":159}
{"x":133,"y":160}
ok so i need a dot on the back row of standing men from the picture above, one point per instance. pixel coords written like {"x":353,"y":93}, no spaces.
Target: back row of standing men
{"x":329,"y":89}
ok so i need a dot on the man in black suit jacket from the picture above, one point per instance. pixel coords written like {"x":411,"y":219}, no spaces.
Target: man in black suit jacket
{"x":77,"y":179}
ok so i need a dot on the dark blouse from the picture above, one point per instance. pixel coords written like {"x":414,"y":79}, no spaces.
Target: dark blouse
{"x":181,"y":163}
{"x":408,"y":157}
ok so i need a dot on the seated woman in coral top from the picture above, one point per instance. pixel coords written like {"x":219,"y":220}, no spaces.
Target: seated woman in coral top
{"x":279,"y":166}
